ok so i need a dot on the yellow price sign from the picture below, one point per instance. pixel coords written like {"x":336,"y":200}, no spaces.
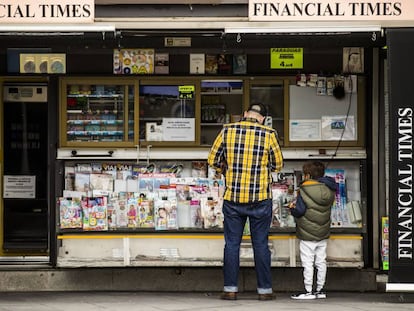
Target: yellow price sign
{"x":286,"y":58}
{"x":186,"y":91}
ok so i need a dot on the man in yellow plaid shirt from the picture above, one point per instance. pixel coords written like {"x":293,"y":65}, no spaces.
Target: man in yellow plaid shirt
{"x":246,"y":153}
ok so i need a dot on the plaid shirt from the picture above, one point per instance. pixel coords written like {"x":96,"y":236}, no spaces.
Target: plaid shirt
{"x":246,"y":152}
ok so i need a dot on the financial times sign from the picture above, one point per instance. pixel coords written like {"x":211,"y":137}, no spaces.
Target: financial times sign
{"x":401,"y":48}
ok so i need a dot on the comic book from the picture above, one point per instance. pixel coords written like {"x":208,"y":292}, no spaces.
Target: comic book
{"x":70,"y":213}
{"x":94,"y":214}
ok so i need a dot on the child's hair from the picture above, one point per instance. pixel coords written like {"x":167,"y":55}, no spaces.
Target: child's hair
{"x":315,"y":169}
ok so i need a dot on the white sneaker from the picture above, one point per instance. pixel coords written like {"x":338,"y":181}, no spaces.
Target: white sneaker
{"x":303,"y":296}
{"x":320,"y":294}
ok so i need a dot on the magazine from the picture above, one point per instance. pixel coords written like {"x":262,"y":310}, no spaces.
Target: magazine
{"x":282,"y":196}
{"x":211,"y":210}
{"x":146,"y":214}
{"x":70,"y":213}
{"x":94,"y":214}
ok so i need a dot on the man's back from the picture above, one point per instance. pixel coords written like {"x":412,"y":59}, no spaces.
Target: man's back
{"x":251,"y":152}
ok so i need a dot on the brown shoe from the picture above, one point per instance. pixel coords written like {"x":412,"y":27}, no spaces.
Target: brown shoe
{"x":264,"y":297}
{"x":229,"y":296}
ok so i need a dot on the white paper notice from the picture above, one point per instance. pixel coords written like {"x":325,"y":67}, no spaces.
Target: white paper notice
{"x":178,"y":129}
{"x":19,"y":187}
{"x":338,"y":128}
{"x":303,"y":130}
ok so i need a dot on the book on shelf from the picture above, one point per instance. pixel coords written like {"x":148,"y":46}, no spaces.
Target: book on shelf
{"x":225,"y":63}
{"x":197,"y":63}
{"x":162,"y":63}
{"x":211,"y":66}
{"x":239,"y":64}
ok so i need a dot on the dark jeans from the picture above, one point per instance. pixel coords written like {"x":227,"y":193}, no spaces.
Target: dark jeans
{"x":260,"y":217}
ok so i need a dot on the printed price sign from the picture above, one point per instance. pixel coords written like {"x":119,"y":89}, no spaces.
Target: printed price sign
{"x":186,"y":91}
{"x":286,"y":58}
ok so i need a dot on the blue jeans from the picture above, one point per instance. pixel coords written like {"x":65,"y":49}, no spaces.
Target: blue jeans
{"x":235,"y":217}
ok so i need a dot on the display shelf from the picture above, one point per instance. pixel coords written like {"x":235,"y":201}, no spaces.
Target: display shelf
{"x":100,"y":112}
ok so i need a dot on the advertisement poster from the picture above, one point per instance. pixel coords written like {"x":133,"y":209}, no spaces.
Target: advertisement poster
{"x":134,"y":61}
{"x":43,"y":63}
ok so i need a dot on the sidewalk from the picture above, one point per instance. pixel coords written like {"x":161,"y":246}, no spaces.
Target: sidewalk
{"x":170,"y":301}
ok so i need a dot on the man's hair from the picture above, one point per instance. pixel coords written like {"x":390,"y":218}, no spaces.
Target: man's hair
{"x":315,"y":169}
{"x":258,"y":108}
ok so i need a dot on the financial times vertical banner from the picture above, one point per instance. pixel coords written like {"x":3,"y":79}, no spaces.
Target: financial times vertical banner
{"x":400,"y":44}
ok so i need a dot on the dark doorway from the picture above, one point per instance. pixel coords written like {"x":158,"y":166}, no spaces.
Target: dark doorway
{"x":25,"y":168}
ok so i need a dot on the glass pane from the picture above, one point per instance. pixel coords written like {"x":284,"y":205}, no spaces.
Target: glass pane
{"x":161,"y":102}
{"x":221,"y":102}
{"x":95,"y":113}
{"x":131,"y":120}
{"x":271,"y":95}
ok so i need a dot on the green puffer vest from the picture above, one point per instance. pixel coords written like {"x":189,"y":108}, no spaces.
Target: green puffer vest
{"x":315,"y":224}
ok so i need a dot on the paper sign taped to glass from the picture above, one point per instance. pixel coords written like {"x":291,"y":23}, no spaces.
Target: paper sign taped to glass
{"x":304,"y":130}
{"x":338,"y":128}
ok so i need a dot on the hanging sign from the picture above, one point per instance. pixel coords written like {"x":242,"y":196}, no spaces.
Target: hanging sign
{"x":328,"y":10}
{"x":50,"y":11}
{"x":286,"y":58}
